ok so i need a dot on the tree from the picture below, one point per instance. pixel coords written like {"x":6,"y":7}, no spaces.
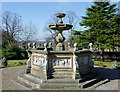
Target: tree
{"x":11,"y":25}
{"x":0,"y":49}
{"x":72,"y":19}
{"x":13,"y":31}
{"x":102,"y":26}
{"x":28,"y":33}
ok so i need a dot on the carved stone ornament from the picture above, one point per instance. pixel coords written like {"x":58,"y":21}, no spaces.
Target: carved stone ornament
{"x":38,"y":61}
{"x":34,"y":45}
{"x":61,"y":62}
{"x":60,"y":38}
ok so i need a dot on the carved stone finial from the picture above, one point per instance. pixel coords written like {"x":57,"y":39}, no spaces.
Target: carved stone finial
{"x":45,"y":45}
{"x":34,"y":45}
{"x":75,"y":46}
{"x":68,"y":44}
{"x":90,"y":45}
{"x":29,"y":45}
{"x":50,"y":45}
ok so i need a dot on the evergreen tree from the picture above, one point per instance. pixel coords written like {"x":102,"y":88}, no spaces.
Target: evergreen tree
{"x":102,"y":23}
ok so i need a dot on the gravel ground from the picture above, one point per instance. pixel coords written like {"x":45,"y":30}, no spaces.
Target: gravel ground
{"x":10,"y":73}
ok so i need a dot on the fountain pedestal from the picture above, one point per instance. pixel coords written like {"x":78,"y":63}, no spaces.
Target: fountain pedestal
{"x":60,"y":39}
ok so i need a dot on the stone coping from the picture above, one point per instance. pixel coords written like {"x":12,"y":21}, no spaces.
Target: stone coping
{"x":59,"y":52}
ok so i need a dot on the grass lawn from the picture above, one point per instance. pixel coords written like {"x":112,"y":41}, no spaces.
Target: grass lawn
{"x":12,"y":63}
{"x":106,"y":64}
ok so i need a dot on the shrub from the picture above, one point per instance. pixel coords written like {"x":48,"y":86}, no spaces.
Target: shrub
{"x":12,"y":51}
{"x":24,"y":54}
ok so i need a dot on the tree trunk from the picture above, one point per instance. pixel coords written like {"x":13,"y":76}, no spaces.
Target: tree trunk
{"x":96,"y":56}
{"x":102,"y":55}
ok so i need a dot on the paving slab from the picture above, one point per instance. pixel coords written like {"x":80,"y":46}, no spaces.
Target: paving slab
{"x":113,"y":75}
{"x":10,"y":73}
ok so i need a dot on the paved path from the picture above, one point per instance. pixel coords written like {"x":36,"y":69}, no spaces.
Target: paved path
{"x":112,"y":75}
{"x":10,"y":73}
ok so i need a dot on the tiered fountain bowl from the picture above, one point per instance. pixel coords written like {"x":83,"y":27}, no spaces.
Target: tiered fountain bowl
{"x":60,"y":27}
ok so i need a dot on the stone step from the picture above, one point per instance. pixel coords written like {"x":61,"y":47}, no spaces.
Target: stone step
{"x":29,"y":82}
{"x":63,"y":69}
{"x":87,"y":77}
{"x":90,"y":82}
{"x":62,"y":76}
{"x":62,"y":73}
{"x":58,"y":85}
{"x":98,"y":84}
{"x":77,"y":77}
{"x":34,"y":78}
{"x":72,"y":88}
{"x":62,"y":81}
{"x":23,"y":84}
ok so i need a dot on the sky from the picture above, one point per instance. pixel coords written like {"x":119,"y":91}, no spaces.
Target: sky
{"x":39,"y":13}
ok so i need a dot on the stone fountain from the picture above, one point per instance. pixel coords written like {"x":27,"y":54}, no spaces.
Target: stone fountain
{"x":60,"y":27}
{"x":48,"y":68}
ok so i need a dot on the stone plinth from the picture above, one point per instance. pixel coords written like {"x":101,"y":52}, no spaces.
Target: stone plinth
{"x":68,"y":64}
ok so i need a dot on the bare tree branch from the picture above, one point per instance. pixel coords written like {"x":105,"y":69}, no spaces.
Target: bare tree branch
{"x":11,"y":24}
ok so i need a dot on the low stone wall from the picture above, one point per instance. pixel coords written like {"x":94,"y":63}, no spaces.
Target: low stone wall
{"x":44,"y":62}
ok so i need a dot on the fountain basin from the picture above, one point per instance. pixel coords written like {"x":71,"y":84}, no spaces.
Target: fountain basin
{"x":60,"y":15}
{"x":60,"y":27}
{"x":45,"y":64}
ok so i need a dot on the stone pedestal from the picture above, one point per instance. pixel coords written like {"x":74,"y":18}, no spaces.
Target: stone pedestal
{"x":60,"y":46}
{"x":61,"y":64}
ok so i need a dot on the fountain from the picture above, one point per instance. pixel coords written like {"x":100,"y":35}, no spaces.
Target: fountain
{"x":60,"y":27}
{"x":48,"y":68}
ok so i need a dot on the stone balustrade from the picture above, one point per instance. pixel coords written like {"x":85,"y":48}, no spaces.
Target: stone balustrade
{"x":35,"y":45}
